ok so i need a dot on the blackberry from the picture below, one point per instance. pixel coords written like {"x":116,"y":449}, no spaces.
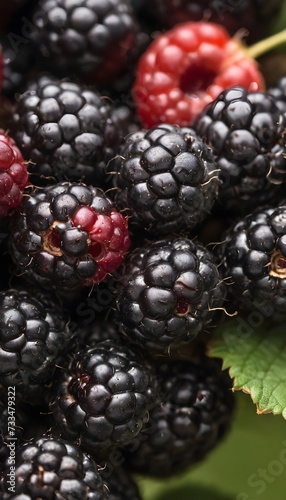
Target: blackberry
{"x":123,"y":116}
{"x":51,"y":468}
{"x":13,"y":175}
{"x":104,"y":397}
{"x":68,"y":236}
{"x":120,"y":484}
{"x":278,"y":92}
{"x":94,"y":332}
{"x":34,"y":337}
{"x":18,"y":64}
{"x":250,"y":15}
{"x":167,"y":177}
{"x":195,"y":415}
{"x":245,"y":131}
{"x":254,"y":259}
{"x":65,"y":129}
{"x":167,"y":292}
{"x":92,"y":38}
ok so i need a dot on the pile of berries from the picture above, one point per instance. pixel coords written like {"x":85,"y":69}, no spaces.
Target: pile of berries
{"x":132,"y":138}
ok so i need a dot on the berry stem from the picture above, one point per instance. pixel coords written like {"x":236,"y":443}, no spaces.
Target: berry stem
{"x":259,"y":48}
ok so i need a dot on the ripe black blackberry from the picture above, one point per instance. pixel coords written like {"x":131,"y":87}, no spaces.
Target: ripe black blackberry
{"x":167,"y":178}
{"x":104,"y":397}
{"x":68,"y":236}
{"x":120,"y":484}
{"x":50,"y":468}
{"x":92,"y":39}
{"x":65,"y":130}
{"x":18,"y":63}
{"x":250,"y":15}
{"x":167,"y":292}
{"x":195,"y":415}
{"x":254,"y":260}
{"x":123,"y":116}
{"x":93,"y":332}
{"x":34,"y":339}
{"x":245,"y":131}
{"x":278,"y":92}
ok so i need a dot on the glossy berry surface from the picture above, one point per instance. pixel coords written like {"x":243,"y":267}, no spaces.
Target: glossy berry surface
{"x":194,"y":416}
{"x":167,"y":177}
{"x":104,"y":397}
{"x":167,"y":292}
{"x":245,"y":131}
{"x":86,"y":37}
{"x":186,"y":68}
{"x":254,"y":257}
{"x":13,"y":175}
{"x":66,"y":130}
{"x":52,"y":468}
{"x":34,"y":335}
{"x":68,"y":235}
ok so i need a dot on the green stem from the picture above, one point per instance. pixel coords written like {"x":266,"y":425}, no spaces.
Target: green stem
{"x":259,"y":48}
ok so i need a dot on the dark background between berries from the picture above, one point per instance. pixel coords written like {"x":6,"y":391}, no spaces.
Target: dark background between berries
{"x":225,"y":474}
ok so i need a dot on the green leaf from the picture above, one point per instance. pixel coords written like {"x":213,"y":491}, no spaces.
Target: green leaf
{"x":256,"y":358}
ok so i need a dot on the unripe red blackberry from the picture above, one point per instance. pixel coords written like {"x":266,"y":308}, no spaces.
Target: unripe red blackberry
{"x":68,"y":236}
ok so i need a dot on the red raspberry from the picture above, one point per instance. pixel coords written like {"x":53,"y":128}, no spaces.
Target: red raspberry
{"x":13,"y":175}
{"x":188,"y":67}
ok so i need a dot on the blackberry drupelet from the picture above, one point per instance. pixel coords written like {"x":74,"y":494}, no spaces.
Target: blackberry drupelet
{"x":68,"y":236}
{"x":104,"y":397}
{"x":195,"y":415}
{"x":66,"y":130}
{"x":167,"y":177}
{"x":254,"y":260}
{"x":34,"y":339}
{"x":167,"y":292}
{"x":51,"y":468}
{"x":252,"y":16}
{"x":245,"y":131}
{"x":120,"y":484}
{"x":93,"y":39}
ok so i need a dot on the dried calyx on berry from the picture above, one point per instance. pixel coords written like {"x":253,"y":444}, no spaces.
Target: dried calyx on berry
{"x":254,"y":260}
{"x":68,"y":236}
